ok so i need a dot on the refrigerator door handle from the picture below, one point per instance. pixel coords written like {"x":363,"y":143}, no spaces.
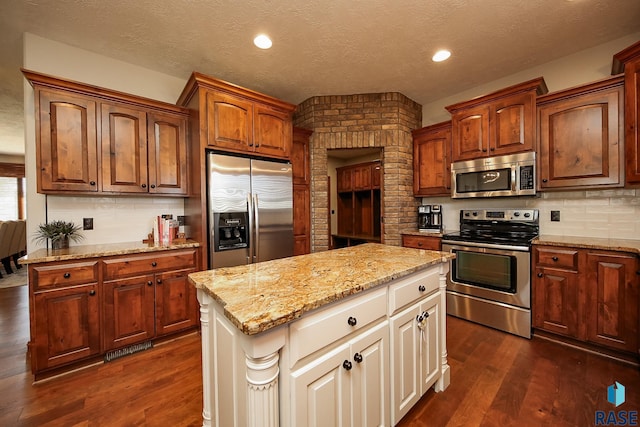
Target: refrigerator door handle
{"x":251,"y":227}
{"x":256,"y":256}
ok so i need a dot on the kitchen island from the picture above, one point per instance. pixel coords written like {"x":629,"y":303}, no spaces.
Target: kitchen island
{"x":353,"y":336}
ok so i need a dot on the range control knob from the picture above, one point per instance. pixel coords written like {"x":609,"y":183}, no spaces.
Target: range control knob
{"x":527,"y":214}
{"x":466,"y":214}
{"x":475,"y":214}
{"x":516,"y":214}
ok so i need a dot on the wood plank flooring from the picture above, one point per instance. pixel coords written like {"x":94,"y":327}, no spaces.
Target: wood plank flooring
{"x":496,"y":380}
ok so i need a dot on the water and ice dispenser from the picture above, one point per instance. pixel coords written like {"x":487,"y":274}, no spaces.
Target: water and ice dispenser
{"x":231,"y":230}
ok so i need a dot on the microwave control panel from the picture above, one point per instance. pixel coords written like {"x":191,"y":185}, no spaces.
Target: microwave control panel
{"x":526,"y":178}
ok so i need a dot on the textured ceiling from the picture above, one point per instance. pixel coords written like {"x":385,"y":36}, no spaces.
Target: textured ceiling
{"x":324,"y":47}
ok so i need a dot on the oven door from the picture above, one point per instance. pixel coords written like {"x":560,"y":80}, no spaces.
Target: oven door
{"x":492,"y":272}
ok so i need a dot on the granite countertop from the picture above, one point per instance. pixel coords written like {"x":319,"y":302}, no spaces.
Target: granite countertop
{"x":261,"y":296}
{"x":93,"y":251}
{"x":622,"y":245}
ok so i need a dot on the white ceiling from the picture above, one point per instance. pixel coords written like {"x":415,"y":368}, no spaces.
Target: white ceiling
{"x":326,"y":47}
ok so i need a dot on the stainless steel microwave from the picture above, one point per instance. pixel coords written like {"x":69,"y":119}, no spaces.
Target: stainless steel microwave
{"x":499,"y":176}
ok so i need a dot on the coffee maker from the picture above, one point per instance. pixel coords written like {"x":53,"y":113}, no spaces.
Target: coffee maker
{"x":430,"y":218}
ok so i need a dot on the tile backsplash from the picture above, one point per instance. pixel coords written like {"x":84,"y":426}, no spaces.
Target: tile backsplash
{"x":597,"y":213}
{"x":115,"y":219}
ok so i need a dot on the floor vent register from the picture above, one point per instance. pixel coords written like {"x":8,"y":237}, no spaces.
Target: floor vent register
{"x":121,"y":352}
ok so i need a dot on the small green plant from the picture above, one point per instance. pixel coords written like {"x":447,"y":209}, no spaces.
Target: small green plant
{"x":59,"y":232}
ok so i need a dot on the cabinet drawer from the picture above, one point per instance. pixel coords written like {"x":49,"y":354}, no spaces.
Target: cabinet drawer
{"x":564,"y":258}
{"x":412,"y":288}
{"x":422,"y":242}
{"x":328,"y":326}
{"x":117,"y":268}
{"x":61,"y":275}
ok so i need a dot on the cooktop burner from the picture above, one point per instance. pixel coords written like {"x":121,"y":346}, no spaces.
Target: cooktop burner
{"x":497,"y":226}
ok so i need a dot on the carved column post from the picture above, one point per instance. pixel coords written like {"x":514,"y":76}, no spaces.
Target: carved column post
{"x":262,"y":391}
{"x":445,"y":379}
{"x":207,"y":342}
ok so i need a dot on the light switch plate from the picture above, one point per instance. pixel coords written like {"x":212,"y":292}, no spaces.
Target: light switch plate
{"x":87,"y":223}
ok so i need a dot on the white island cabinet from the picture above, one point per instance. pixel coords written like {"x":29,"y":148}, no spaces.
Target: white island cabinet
{"x":349,"y":337}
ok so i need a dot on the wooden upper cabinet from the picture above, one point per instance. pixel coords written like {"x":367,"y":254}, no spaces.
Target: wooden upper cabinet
{"x":124,"y":149}
{"x":167,"y":153}
{"x":500,"y":123}
{"x":272,"y":131}
{"x":301,"y":174}
{"x":66,"y":141}
{"x":432,"y":160}
{"x":580,"y":136}
{"x":628,"y":61}
{"x":300,"y":156}
{"x":239,"y":120}
{"x":140,"y":145}
{"x":362,"y":177}
{"x":344,"y":179}
{"x":230,"y":121}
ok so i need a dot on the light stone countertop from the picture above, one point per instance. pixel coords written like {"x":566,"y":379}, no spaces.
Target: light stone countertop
{"x":93,"y":251}
{"x":258,"y":297}
{"x":623,"y":245}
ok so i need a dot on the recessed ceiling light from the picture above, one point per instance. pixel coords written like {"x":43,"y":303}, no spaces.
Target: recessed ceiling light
{"x":441,"y":55}
{"x":262,"y":41}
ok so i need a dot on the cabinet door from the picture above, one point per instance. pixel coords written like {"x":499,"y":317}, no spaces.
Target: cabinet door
{"x":580,"y":140}
{"x":344,"y":179}
{"x":405,"y":362}
{"x":273,"y":132}
{"x":229,"y":122}
{"x":470,"y":133}
{"x":430,"y":361}
{"x":555,"y":301}
{"x":176,"y":304}
{"x":67,"y":325}
{"x":301,"y":219}
{"x":376,"y":172}
{"x":512,"y":124}
{"x":300,"y":157}
{"x":66,"y":153}
{"x":362,"y":177}
{"x":611,"y":287}
{"x":370,"y":377}
{"x":632,"y":121}
{"x":321,"y":391}
{"x":128,"y":311}
{"x":124,"y":149}
{"x":167,"y":153}
{"x":432,"y":162}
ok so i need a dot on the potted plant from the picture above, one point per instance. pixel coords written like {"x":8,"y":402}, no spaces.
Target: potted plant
{"x":59,"y":232}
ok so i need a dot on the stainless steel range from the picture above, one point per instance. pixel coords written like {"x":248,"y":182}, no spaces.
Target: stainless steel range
{"x":489,"y":281}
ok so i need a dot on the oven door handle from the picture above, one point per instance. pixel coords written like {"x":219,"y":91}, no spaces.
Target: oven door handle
{"x":486,"y":245}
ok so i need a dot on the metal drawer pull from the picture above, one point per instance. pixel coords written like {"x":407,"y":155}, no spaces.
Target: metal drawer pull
{"x":357,"y":357}
{"x":352,"y":321}
{"x":67,"y":275}
{"x":153,"y":264}
{"x":421,"y":288}
{"x":159,"y":281}
{"x":149,"y":283}
{"x":347,"y":365}
{"x":555,"y":258}
{"x":92,"y":292}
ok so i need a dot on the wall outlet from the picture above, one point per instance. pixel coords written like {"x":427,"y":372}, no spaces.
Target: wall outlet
{"x":555,"y":215}
{"x":87,"y":223}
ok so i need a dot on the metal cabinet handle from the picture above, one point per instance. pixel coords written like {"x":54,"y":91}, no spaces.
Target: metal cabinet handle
{"x":347,"y":365}
{"x":352,"y":321}
{"x":540,"y":274}
{"x":544,"y":180}
{"x":555,"y":258}
{"x":92,"y":183}
{"x":159,"y":281}
{"x":144,"y":185}
{"x":419,"y":243}
{"x":358,"y":358}
{"x":67,"y":275}
{"x":153,"y":186}
{"x":92,"y":292}
{"x":149,"y":283}
{"x":421,"y":288}
{"x":153,"y":264}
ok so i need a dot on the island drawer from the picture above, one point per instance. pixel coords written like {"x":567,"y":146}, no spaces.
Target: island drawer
{"x":433,"y":243}
{"x":412,"y":288}
{"x":556,"y":257}
{"x":117,"y":268}
{"x":320,"y":329}
{"x":62,"y":275}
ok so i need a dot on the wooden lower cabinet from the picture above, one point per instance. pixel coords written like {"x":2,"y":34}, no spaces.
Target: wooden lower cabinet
{"x":65,"y":326}
{"x":589,"y":296}
{"x":82,"y":309}
{"x":433,"y":243}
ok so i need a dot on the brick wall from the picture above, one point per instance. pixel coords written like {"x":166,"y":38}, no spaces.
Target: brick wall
{"x":383,"y":120}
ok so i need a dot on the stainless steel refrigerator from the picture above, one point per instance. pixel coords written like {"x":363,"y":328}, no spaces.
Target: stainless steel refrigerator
{"x":250,"y":207}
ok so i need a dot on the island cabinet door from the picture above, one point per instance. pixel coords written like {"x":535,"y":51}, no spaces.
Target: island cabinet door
{"x":321,"y":390}
{"x":176,"y":305}
{"x":128,"y":311}
{"x":415,"y":361}
{"x":370,"y":377}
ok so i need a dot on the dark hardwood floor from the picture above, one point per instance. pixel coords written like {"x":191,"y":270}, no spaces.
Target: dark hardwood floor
{"x":496,"y":380}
